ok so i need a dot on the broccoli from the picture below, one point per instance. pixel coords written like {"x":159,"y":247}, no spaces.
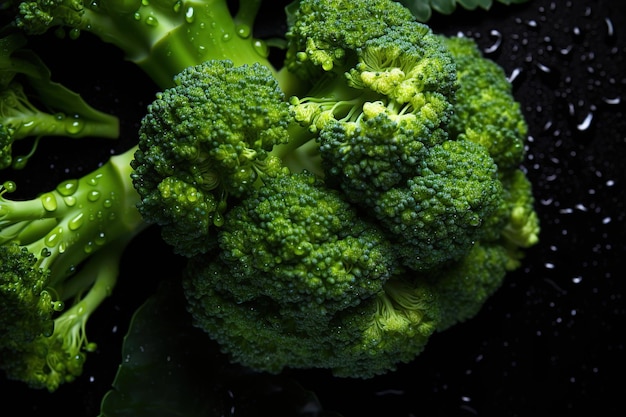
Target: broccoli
{"x":33,"y":106}
{"x":385,"y":203}
{"x":334,"y":210}
{"x":59,"y":258}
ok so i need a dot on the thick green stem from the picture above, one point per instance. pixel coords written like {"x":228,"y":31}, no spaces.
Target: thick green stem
{"x":206,"y":31}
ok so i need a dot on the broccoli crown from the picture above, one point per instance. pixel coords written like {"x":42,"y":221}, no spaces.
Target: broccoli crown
{"x":27,"y":306}
{"x":410,"y":210}
{"x":200,"y":143}
{"x":298,"y":243}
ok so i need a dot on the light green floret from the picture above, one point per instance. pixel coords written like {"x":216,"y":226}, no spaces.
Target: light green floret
{"x":405,"y":84}
{"x":59,"y":258}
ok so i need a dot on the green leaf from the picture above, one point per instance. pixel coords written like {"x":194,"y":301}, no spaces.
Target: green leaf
{"x":422,"y":9}
{"x":172,"y":369}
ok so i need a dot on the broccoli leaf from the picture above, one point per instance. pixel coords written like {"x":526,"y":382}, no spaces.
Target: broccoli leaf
{"x":171,"y":369}
{"x":422,"y":9}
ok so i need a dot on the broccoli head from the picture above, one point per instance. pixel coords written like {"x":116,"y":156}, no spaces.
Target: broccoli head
{"x":343,"y":223}
{"x":201,"y":143}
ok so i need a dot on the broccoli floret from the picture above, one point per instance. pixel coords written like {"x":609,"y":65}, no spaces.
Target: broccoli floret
{"x":317,"y":284}
{"x":438,"y":214}
{"x":298,"y":243}
{"x":522,"y":226}
{"x":405,"y":84}
{"x":163,"y":37}
{"x":59,"y":257}
{"x":485,"y":111}
{"x":321,"y":39}
{"x":201,"y":143}
{"x":33,"y":106}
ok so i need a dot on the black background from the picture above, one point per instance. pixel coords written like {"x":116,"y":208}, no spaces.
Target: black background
{"x":549,"y":343}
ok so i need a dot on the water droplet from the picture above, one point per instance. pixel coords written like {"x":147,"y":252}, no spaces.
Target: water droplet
{"x":75,"y":125}
{"x":101,"y":239}
{"x":496,"y":45}
{"x":53,"y":238}
{"x":243,"y":31}
{"x":77,"y":222}
{"x":70,"y":201}
{"x":74,"y":34}
{"x":107,"y":203}
{"x":93,"y":196}
{"x":261,"y":48}
{"x":93,"y":180}
{"x":89,"y":247}
{"x":189,"y":15}
{"x":152,"y":21}
{"x":8,"y":187}
{"x":49,"y":201}
{"x":586,"y":123}
{"x":612,"y":101}
{"x":67,"y":188}
{"x":226,"y":37}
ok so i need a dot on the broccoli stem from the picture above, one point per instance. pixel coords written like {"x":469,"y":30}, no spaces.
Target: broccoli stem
{"x":205,"y":30}
{"x":65,"y":226}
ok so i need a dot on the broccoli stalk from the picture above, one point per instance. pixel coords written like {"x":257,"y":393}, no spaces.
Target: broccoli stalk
{"x":59,"y":258}
{"x":33,"y":106}
{"x":161,"y":36}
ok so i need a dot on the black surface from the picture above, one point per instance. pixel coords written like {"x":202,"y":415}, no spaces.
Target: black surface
{"x":551,"y":341}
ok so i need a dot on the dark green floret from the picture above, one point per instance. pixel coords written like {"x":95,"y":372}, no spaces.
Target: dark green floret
{"x":202,"y":143}
{"x":438,"y":215}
